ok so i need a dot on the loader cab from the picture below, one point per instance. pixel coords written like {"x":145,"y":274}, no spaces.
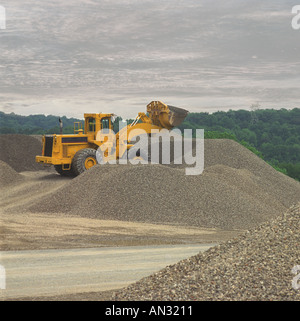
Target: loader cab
{"x":95,"y":122}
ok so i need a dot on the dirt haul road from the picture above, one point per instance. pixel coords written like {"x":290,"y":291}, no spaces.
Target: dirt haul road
{"x":61,"y":272}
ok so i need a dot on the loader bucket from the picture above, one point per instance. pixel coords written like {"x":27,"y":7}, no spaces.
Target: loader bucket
{"x":165,"y":116}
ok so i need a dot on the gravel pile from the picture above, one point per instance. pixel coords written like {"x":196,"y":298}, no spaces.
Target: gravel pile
{"x":225,"y":197}
{"x":19,"y":152}
{"x":232,"y":155}
{"x":8,"y":176}
{"x":254,"y":266}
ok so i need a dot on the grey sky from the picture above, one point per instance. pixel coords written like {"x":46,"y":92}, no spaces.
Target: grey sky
{"x":70,"y":57}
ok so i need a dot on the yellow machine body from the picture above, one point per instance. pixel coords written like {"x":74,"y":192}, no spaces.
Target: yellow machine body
{"x":72,"y":154}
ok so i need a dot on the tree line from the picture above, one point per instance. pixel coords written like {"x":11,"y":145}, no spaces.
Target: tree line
{"x":274,"y":135}
{"x":34,"y":124}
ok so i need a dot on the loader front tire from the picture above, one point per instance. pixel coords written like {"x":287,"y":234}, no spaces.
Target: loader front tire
{"x":83,"y":160}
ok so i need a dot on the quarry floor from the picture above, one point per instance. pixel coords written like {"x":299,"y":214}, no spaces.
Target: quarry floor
{"x":158,"y":207}
{"x":34,"y":231}
{"x":26,"y":231}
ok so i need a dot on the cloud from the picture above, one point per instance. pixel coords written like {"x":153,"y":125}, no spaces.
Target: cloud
{"x":68,"y":56}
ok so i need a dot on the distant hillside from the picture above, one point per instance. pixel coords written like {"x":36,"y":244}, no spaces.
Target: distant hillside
{"x":34,"y":124}
{"x":268,"y":130}
{"x":272,"y":134}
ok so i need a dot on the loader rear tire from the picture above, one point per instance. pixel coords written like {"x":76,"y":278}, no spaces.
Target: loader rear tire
{"x":64,"y":172}
{"x":83,"y":160}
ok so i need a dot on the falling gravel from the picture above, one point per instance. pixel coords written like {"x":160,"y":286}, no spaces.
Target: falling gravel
{"x":256,"y":265}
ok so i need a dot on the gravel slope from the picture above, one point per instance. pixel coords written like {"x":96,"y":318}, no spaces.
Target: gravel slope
{"x":254,"y":266}
{"x":8,"y":175}
{"x":19,"y":152}
{"x":237,"y":190}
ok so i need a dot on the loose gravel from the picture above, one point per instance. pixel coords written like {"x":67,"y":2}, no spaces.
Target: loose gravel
{"x":8,"y":176}
{"x":19,"y":152}
{"x":237,"y":190}
{"x":256,"y":265}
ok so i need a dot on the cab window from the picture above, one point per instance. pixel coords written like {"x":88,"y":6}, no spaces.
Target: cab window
{"x":91,"y":124}
{"x":105,"y":123}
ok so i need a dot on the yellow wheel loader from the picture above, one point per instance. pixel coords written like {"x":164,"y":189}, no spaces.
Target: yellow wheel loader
{"x":73,"y":154}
